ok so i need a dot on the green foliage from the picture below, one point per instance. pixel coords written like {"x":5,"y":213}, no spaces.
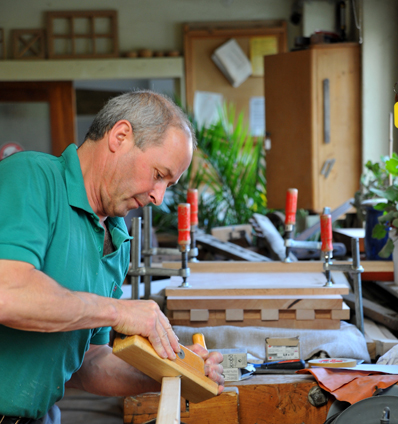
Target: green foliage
{"x":229,"y":172}
{"x":389,"y":219}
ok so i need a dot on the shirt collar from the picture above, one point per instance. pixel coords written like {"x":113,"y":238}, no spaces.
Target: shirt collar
{"x":75,"y":188}
{"x":77,"y":194}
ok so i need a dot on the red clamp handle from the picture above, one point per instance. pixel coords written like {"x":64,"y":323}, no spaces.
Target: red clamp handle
{"x":192,"y":199}
{"x":291,"y":206}
{"x":184,"y":224}
{"x":326,"y":233}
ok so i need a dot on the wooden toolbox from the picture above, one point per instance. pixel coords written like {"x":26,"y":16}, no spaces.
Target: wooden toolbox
{"x":287,"y":300}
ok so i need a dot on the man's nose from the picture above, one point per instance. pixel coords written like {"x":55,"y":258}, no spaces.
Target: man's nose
{"x":157,"y":194}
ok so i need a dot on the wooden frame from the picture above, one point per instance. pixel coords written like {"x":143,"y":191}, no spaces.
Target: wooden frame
{"x":80,"y":34}
{"x":28,"y":44}
{"x":201,"y":39}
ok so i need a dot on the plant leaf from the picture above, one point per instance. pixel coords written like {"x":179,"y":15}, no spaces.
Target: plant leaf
{"x":388,"y":248}
{"x":379,"y":231}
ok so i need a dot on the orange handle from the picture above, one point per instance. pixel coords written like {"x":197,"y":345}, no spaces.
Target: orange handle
{"x":326,"y":233}
{"x":199,"y":338}
{"x":192,"y":199}
{"x":291,"y":206}
{"x":184,"y":224}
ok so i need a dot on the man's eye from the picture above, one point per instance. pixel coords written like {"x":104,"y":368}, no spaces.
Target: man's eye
{"x":158,"y":176}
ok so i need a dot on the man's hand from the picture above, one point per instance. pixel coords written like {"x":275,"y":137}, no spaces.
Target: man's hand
{"x":213,"y":367}
{"x":145,"y":318}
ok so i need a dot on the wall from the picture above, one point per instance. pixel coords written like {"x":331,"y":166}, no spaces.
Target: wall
{"x":153,"y":24}
{"x":379,"y":73}
{"x":157,"y":24}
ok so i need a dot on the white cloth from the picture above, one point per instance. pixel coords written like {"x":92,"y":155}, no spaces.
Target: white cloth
{"x":346,"y":342}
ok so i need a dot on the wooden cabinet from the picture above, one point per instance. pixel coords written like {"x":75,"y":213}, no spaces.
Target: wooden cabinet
{"x":313,"y":115}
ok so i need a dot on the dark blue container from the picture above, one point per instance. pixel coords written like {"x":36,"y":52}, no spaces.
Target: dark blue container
{"x":373,"y":245}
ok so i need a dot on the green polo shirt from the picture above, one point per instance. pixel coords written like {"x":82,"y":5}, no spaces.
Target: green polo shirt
{"x":46,"y":220}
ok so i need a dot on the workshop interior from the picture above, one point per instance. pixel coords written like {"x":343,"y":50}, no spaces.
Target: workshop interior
{"x":277,"y":247}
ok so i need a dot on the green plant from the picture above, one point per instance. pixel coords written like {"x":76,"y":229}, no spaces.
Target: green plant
{"x":375,"y":176}
{"x":229,"y":172}
{"x":389,"y":219}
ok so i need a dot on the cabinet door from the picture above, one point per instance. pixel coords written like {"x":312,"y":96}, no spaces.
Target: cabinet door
{"x":338,"y":101}
{"x":288,"y":117}
{"x":37,"y":115}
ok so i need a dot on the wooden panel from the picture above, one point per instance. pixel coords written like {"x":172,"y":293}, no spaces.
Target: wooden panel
{"x":238,"y":284}
{"x":257,"y":267}
{"x":138,"y":352}
{"x":341,"y":65}
{"x":255,"y":302}
{"x":200,"y":41}
{"x":294,"y":113}
{"x":288,"y":119}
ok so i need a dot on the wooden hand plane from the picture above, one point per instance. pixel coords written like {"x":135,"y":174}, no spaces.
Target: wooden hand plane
{"x":138,"y":352}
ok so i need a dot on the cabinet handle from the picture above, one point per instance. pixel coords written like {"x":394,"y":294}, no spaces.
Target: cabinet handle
{"x":326,"y":110}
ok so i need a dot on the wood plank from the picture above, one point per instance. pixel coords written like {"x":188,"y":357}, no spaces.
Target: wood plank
{"x":170,"y":396}
{"x":138,"y":352}
{"x":376,"y":312}
{"x":377,"y":341}
{"x":258,"y":267}
{"x":255,"y":302}
{"x":242,"y":284}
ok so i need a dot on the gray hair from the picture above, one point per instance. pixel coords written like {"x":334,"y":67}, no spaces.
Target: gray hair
{"x":150,"y":115}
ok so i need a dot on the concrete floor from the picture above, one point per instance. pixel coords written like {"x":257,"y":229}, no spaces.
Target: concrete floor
{"x":78,"y":407}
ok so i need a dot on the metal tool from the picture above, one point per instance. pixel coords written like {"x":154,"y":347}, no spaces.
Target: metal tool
{"x":147,"y":271}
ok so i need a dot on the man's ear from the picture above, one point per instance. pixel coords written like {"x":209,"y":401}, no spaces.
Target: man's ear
{"x":119,"y":134}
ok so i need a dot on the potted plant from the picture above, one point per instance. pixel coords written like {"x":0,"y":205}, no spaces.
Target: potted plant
{"x":375,"y":177}
{"x":388,"y":221}
{"x":229,"y":171}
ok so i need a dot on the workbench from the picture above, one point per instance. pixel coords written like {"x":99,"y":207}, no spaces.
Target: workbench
{"x":260,"y":399}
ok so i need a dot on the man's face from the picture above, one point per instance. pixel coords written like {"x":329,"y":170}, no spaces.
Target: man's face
{"x":138,"y":177}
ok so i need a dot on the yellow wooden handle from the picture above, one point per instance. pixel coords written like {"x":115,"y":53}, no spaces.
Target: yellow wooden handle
{"x":199,"y":338}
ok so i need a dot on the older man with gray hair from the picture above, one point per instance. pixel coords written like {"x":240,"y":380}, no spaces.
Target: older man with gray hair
{"x":64,"y":254}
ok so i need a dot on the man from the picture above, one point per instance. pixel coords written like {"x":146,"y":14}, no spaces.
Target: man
{"x":64,"y":253}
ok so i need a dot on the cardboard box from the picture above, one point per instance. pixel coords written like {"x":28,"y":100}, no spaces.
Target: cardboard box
{"x":233,"y":358}
{"x":232,"y":374}
{"x":282,"y":349}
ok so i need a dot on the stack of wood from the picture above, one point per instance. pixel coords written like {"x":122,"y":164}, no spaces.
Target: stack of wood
{"x":272,"y":299}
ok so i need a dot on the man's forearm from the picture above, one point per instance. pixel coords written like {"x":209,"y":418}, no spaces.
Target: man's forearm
{"x":104,"y":374}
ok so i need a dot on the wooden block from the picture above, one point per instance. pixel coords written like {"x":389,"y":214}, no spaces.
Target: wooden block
{"x":303,"y":315}
{"x":271,"y":302}
{"x":199,"y":315}
{"x":269,"y":315}
{"x":342,"y":314}
{"x":234,"y":315}
{"x":143,"y":408}
{"x":138,"y":352}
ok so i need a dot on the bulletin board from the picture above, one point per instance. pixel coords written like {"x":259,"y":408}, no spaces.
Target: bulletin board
{"x":201,"y":73}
